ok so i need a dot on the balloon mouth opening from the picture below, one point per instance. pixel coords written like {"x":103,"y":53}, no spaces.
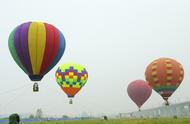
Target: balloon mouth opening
{"x":35,"y":77}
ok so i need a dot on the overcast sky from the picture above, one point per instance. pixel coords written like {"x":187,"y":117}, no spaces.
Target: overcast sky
{"x":114,"y":39}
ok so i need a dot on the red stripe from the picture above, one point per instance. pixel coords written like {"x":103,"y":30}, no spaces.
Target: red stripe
{"x":52,"y":47}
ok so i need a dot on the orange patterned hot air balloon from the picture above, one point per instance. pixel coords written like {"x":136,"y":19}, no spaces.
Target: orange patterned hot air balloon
{"x":164,"y":75}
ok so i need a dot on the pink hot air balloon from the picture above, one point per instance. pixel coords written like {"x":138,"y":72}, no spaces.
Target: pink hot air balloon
{"x":139,"y":91}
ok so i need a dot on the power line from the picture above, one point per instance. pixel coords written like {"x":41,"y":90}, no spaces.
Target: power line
{"x":13,"y":90}
{"x":16,"y":97}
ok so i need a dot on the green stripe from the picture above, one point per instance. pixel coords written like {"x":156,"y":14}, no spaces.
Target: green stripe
{"x":164,"y":88}
{"x":13,"y":51}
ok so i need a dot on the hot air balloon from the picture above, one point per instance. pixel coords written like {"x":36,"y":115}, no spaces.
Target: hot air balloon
{"x":139,"y":91}
{"x":36,"y":47}
{"x":71,"y":78}
{"x":164,"y":75}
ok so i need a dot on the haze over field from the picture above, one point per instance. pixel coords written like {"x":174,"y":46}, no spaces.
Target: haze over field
{"x":114,"y":39}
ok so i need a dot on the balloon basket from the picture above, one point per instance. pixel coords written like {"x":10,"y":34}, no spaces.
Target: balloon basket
{"x":35,"y":87}
{"x":167,"y":103}
{"x":70,"y":101}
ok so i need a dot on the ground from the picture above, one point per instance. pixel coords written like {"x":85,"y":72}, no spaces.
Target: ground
{"x":124,"y":121}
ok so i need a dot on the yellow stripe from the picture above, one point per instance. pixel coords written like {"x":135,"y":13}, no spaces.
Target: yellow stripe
{"x":180,"y":79}
{"x":181,"y":72}
{"x":169,"y":78}
{"x":169,"y":71}
{"x":167,"y":60}
{"x":32,"y":44}
{"x":168,"y":65}
{"x":154,"y":67}
{"x":154,"y":73}
{"x":37,"y":42}
{"x":155,"y":79}
{"x":41,"y":44}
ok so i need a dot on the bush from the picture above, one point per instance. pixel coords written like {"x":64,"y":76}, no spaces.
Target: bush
{"x":14,"y":119}
{"x":175,"y":116}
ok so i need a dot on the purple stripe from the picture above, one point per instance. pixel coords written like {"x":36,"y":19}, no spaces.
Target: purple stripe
{"x":21,"y":45}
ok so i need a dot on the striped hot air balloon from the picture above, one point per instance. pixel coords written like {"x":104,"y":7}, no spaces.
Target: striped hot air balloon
{"x":71,"y":78}
{"x":36,"y":47}
{"x":164,"y":75}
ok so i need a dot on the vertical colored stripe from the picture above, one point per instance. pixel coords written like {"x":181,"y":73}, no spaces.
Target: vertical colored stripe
{"x":17,"y":44}
{"x":60,"y":52}
{"x":24,"y":46}
{"x":52,"y":47}
{"x":13,"y":51}
{"x":37,"y":43}
{"x":32,"y":39}
{"x":41,"y":44}
{"x":21,"y":45}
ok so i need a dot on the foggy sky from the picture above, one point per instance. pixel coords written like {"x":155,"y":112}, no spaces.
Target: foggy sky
{"x":114,"y":39}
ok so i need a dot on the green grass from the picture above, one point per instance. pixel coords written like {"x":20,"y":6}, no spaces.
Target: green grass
{"x":131,"y":121}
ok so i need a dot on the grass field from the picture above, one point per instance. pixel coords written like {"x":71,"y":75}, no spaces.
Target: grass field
{"x":132,"y":121}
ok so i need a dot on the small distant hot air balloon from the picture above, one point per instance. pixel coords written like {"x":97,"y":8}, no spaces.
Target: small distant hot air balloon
{"x":71,"y":78}
{"x":36,"y":47}
{"x":164,"y":75}
{"x":139,"y":91}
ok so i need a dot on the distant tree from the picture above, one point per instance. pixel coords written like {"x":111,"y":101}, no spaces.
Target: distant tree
{"x":31,"y":116}
{"x":39,"y":113}
{"x":65,"y":116}
{"x":175,"y":116}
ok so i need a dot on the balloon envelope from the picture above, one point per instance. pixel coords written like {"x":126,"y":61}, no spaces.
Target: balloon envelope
{"x":139,"y":91}
{"x":164,"y":75}
{"x":71,"y":78}
{"x":36,"y":47}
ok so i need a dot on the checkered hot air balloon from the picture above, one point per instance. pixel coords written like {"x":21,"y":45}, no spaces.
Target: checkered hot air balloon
{"x":71,"y":78}
{"x":164,"y":75}
{"x":36,"y":47}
